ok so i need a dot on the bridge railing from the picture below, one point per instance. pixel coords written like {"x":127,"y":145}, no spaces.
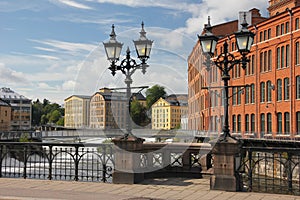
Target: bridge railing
{"x":270,"y":169}
{"x":88,"y":162}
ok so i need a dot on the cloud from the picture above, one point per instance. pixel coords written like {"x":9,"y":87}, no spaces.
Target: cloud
{"x":11,"y":77}
{"x":65,"y":47}
{"x":73,"y":4}
{"x":16,"y":5}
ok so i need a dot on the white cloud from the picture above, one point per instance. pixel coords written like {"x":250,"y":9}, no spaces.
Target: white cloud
{"x":73,"y":4}
{"x":12,"y":77}
{"x":65,"y":47}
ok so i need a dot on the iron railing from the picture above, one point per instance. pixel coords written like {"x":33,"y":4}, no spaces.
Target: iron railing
{"x":270,"y":169}
{"x":74,"y":161}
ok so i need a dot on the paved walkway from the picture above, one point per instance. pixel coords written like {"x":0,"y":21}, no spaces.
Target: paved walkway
{"x":156,"y":189}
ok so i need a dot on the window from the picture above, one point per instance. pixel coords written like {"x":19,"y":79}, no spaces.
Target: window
{"x":286,"y":122}
{"x":279,"y":90}
{"x":234,"y":95}
{"x":233,"y":123}
{"x":253,"y":64}
{"x":262,"y":92}
{"x":269,"y":60}
{"x":247,"y":123}
{"x":282,"y":29}
{"x":247,"y":91}
{"x":279,"y":122}
{"x":278,"y":58}
{"x":239,"y":122}
{"x":269,"y":33}
{"x":287,"y":27}
{"x":277,"y":30}
{"x":262,"y":123}
{"x":297,"y":87}
{"x":287,"y":55}
{"x":282,"y":57}
{"x":269,"y":123}
{"x":286,"y":89}
{"x":239,"y":95}
{"x":297,"y":60}
{"x":269,"y":91}
{"x":252,"y":123}
{"x":252,"y":93}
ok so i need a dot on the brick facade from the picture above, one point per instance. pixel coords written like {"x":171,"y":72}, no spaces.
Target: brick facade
{"x":266,"y":107}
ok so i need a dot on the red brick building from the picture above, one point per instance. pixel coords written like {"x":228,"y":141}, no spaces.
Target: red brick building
{"x":270,"y":106}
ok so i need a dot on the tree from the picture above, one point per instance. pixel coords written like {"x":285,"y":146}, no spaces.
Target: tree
{"x":46,"y":112}
{"x":138,"y":113}
{"x":153,"y":94}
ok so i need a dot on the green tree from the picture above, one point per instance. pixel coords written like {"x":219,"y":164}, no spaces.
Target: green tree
{"x":138,"y":113}
{"x":47,"y":112}
{"x":153,"y":94}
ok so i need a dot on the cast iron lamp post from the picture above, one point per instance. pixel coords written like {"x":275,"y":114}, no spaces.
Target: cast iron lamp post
{"x":128,"y":65}
{"x":226,"y":61}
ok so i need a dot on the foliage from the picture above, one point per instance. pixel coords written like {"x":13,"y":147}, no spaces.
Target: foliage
{"x":138,"y":113}
{"x":47,"y":112}
{"x":25,"y":138}
{"x":153,"y":94}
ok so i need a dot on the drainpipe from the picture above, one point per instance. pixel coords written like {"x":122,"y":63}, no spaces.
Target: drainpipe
{"x":257,"y":83}
{"x":291,"y":75}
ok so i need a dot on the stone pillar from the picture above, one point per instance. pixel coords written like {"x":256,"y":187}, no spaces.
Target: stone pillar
{"x":127,"y":160}
{"x":225,"y":160}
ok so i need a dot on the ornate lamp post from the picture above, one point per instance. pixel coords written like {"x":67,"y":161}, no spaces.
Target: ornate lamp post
{"x":226,"y":61}
{"x":128,"y":65}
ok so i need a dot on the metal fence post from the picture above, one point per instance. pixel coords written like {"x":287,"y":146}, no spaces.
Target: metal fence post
{"x":250,"y":169}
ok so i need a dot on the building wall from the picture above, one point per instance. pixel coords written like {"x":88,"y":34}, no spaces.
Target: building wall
{"x":166,"y":116}
{"x":77,"y":112}
{"x":274,"y":56}
{"x":5,"y":118}
{"x":106,"y":113}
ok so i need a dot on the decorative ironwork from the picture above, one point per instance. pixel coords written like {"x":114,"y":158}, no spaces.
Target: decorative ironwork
{"x":270,"y":169}
{"x":88,"y":162}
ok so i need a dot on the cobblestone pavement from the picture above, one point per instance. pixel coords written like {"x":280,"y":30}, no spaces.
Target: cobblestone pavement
{"x":155,"y":189}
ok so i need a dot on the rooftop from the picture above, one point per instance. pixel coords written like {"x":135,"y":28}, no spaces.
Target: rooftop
{"x":8,"y":94}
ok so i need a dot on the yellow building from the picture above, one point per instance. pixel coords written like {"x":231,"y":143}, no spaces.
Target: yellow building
{"x":108,"y":110}
{"x":77,"y":109}
{"x":167,"y":113}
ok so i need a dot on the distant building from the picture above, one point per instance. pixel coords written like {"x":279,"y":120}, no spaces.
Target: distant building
{"x":167,"y":113}
{"x":108,"y":110}
{"x":77,"y":111}
{"x":20,"y":109}
{"x":5,"y":116}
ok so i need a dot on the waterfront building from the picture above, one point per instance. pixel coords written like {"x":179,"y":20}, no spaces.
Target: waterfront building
{"x":77,"y":111}
{"x":270,"y":104}
{"x":108,"y":110}
{"x":167,"y":113}
{"x":20,"y":109}
{"x":5,"y":116}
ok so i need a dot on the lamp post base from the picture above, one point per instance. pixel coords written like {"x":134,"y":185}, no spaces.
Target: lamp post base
{"x":226,"y":157}
{"x":127,"y":160}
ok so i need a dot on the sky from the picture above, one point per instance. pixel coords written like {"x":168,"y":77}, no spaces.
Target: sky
{"x":54,"y":48}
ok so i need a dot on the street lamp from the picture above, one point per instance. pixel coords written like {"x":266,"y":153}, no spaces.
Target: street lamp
{"x":226,"y":61}
{"x":128,"y":65}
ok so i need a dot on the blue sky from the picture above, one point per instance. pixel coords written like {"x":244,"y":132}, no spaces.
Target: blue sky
{"x":53,"y":48}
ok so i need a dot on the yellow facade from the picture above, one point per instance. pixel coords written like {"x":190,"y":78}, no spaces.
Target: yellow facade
{"x":166,"y":115}
{"x":77,"y":110}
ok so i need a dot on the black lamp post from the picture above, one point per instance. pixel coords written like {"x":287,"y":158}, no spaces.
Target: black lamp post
{"x":226,"y":61}
{"x":128,"y":65}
